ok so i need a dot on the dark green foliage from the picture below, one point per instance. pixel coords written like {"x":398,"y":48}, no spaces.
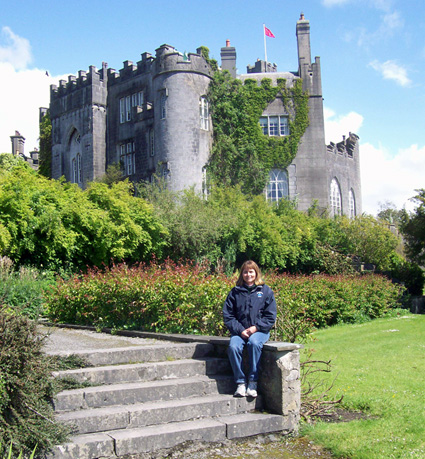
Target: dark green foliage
{"x":45,"y":154}
{"x":241,"y":153}
{"x":413,"y":229}
{"x":26,"y":387}
{"x":186,"y":298}
{"x":409,"y":274}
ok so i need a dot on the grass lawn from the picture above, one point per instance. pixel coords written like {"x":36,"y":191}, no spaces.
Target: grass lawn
{"x":380,"y":368}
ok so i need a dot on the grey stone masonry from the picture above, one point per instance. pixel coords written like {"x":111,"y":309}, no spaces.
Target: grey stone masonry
{"x":157,"y":391}
{"x":153,"y":118}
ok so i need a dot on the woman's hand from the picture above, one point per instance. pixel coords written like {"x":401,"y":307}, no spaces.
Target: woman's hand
{"x":248,"y":332}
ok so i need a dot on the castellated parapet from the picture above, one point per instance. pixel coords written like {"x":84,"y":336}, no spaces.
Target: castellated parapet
{"x":153,"y":118}
{"x":78,"y":114}
{"x":153,"y":125}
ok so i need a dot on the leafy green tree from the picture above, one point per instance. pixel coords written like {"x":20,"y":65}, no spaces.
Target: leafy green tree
{"x":114,"y":174}
{"x":389,"y":213}
{"x":55,"y":224}
{"x":45,"y":154}
{"x":363,"y":236}
{"x":413,"y":229}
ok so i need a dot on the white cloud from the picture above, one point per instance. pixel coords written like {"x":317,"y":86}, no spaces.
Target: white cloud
{"x":338,"y":126}
{"x":390,"y":178}
{"x":22,"y":92}
{"x":16,"y":50}
{"x":390,"y":70}
{"x":384,"y":176}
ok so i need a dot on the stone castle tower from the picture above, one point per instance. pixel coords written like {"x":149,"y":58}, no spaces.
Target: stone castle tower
{"x":153,"y":118}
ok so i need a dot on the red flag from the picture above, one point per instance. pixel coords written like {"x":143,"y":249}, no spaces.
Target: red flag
{"x":268,"y":32}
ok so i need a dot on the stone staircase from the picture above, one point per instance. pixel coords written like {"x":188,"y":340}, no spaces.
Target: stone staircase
{"x":147,"y":398}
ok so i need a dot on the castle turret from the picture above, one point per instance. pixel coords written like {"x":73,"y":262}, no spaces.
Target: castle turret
{"x":303,"y":42}
{"x":183,"y":130}
{"x":310,"y":162}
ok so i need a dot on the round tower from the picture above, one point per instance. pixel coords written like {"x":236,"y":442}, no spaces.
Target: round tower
{"x":183,"y":128}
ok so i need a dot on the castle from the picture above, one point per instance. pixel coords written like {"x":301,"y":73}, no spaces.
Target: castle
{"x":153,"y":118}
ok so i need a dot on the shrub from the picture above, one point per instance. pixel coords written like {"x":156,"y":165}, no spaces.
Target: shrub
{"x":186,"y":298}
{"x":169,"y":297}
{"x":58,"y":225}
{"x":409,"y":274}
{"x":23,"y":291}
{"x":26,"y":416}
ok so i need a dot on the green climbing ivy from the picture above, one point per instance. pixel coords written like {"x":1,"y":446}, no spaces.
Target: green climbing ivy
{"x":241,"y":153}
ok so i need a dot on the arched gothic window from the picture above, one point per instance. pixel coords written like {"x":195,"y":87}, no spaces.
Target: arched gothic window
{"x":335,"y":198}
{"x":351,"y":204}
{"x":75,"y":157}
{"x":278,"y":186}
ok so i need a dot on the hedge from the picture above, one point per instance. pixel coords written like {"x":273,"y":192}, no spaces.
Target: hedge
{"x":187,"y":298}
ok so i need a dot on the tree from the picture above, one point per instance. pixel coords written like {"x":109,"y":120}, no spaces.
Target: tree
{"x":413,"y":229}
{"x":55,"y":224}
{"x":389,"y":213}
{"x":45,"y":154}
{"x":114,"y":174}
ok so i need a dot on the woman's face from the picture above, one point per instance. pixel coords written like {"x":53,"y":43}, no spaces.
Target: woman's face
{"x":249,"y":276}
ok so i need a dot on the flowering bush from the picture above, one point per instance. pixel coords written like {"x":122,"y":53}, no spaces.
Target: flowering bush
{"x":168,"y":297}
{"x":187,"y":298}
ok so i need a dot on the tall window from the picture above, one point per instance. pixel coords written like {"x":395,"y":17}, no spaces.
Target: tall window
{"x":134,"y":100}
{"x":128,"y":108}
{"x":278,"y":186}
{"x":163,"y":100}
{"x":140,"y":98}
{"x":335,"y":198}
{"x":351,"y":204}
{"x":204,"y":113}
{"x":276,"y":125}
{"x":74,"y":170}
{"x":76,"y":174}
{"x":128,"y":157}
{"x":122,"y":110}
{"x":79,"y":175}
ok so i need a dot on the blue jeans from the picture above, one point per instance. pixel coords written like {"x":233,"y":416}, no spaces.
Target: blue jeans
{"x":255,"y":346}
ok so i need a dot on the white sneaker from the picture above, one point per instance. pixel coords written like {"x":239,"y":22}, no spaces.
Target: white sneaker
{"x":240,"y":390}
{"x":252,"y":389}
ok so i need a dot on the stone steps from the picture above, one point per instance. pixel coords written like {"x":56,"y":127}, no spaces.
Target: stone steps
{"x":154,"y":397}
{"x":119,"y":443}
{"x":157,"y":412}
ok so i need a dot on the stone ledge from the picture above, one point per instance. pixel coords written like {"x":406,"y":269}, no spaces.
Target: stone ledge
{"x":273,"y":346}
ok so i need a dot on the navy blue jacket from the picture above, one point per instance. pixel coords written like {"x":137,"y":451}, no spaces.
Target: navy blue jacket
{"x":243,"y":309}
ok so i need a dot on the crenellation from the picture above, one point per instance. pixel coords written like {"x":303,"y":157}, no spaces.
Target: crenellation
{"x":154,"y":117}
{"x":82,"y":77}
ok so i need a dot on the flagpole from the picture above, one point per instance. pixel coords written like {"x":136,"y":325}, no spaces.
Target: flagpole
{"x":265,"y":46}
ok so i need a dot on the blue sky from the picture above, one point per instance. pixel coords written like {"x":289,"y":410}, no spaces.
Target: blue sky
{"x":372,"y":55}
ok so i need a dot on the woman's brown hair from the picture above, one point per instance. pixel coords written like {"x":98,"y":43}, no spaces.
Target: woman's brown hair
{"x":249,"y":264}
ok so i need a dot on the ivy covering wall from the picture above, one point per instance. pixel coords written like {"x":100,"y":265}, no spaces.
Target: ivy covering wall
{"x":241,"y":153}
